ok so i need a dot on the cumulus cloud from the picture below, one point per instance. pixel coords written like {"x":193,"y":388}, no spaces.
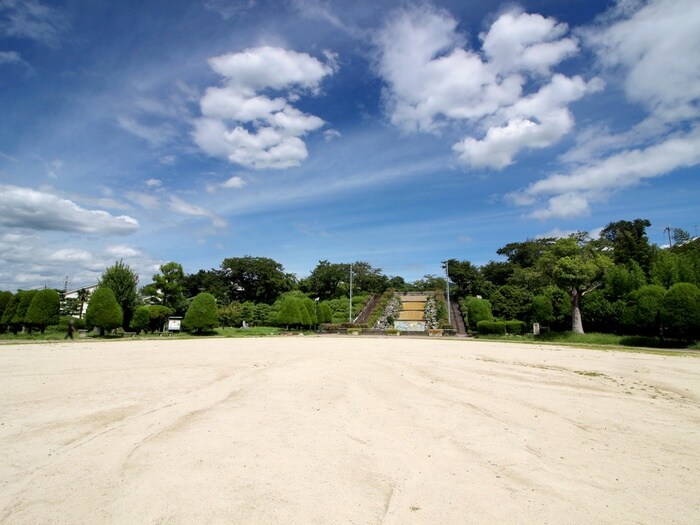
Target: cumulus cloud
{"x":40,"y":210}
{"x":569,"y":195}
{"x":653,"y":48}
{"x":241,"y":123}
{"x":433,"y":80}
{"x":32,"y":259}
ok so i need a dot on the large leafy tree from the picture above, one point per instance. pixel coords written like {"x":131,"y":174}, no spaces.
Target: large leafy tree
{"x":257,"y":279}
{"x":680,"y":311}
{"x":168,"y":288}
{"x":576,"y":266}
{"x":629,"y":242}
{"x":44,"y":309}
{"x":211,"y":281}
{"x":466,"y":278}
{"x":103,"y":310}
{"x":123,"y":281}
{"x":326,"y":279}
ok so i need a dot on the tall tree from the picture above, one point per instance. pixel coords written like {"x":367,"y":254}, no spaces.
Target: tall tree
{"x":202,"y":314}
{"x":103,"y":310}
{"x":167,"y":288}
{"x":44,"y":309}
{"x":577,"y":267}
{"x":211,"y":281}
{"x":257,"y":279}
{"x":123,"y":281}
{"x":466,"y":277}
{"x":629,"y":242}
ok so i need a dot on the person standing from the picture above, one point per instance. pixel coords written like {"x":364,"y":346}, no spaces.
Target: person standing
{"x":71,"y":329}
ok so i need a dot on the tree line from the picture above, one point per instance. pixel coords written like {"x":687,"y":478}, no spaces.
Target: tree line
{"x":618,"y":282}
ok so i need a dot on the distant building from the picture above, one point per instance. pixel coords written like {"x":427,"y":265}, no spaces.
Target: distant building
{"x":83,"y":292}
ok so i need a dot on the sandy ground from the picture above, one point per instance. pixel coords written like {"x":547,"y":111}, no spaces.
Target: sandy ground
{"x":348,"y":430}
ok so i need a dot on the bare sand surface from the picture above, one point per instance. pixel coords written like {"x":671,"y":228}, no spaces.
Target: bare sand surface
{"x":354,"y":430}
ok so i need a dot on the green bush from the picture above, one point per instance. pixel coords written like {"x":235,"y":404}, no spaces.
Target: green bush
{"x":25,"y":299}
{"x":644,"y":313}
{"x":44,"y":309}
{"x":491,"y":327}
{"x":202,"y":315}
{"x":515,"y":327}
{"x":103,"y":311}
{"x":9,"y":313}
{"x":141,"y":319}
{"x":680,"y":311}
{"x":475,"y":310}
{"x":542,"y":310}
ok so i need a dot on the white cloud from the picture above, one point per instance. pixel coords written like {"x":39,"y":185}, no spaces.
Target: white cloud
{"x":569,"y":195}
{"x":10,"y":57}
{"x":432,"y":80}
{"x":234,"y":182}
{"x":658,"y":50}
{"x":40,"y":210}
{"x":250,"y":128}
{"x":32,"y":260}
{"x":182,"y":207}
{"x":653,"y":48}
{"x":154,"y":183}
{"x":31,"y":20}
{"x":155,"y":135}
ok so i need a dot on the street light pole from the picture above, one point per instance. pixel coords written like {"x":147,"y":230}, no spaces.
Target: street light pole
{"x":350,"y":315}
{"x":447,"y":280}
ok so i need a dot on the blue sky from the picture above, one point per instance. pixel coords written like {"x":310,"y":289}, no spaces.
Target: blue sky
{"x":393,"y":132}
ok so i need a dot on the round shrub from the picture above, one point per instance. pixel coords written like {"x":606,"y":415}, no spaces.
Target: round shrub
{"x":202,"y":315}
{"x":44,"y":309}
{"x":103,"y":310}
{"x":680,"y":311}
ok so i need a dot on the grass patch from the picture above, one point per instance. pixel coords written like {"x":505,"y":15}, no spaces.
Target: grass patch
{"x":599,"y":340}
{"x":253,"y":331}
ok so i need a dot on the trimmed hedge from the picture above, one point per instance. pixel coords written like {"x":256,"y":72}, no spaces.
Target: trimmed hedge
{"x":500,"y":327}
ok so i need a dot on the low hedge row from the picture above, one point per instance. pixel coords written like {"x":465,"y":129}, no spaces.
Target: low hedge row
{"x":500,"y":327}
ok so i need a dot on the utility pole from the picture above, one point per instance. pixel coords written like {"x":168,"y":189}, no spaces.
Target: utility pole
{"x":447,"y":281}
{"x":668,"y":229}
{"x":350,"y":315}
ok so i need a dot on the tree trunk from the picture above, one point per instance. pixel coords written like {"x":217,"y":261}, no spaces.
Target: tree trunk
{"x":576,"y":322}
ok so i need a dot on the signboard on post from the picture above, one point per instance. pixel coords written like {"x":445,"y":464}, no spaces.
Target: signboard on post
{"x":174,"y":324}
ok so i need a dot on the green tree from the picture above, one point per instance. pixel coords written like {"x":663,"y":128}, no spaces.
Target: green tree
{"x":680,"y":236}
{"x":5,"y":300}
{"x":123,"y":281}
{"x":680,"y":311}
{"x":621,"y":280}
{"x":141,"y":319}
{"x":211,"y":281}
{"x":325,"y":314}
{"x":25,"y":299}
{"x":577,"y":267}
{"x":511,"y":303}
{"x":257,"y":279}
{"x":289,"y":313}
{"x":542,"y":310}
{"x":103,"y":310}
{"x":475,"y":310}
{"x":466,"y":277}
{"x":629,"y":242}
{"x":644,"y":312}
{"x":202,"y":314}
{"x":167,"y":288}
{"x":429,"y":283}
{"x":44,"y":310}
{"x":9,"y":314}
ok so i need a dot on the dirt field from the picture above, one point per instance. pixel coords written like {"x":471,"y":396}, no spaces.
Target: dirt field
{"x":348,"y":430}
